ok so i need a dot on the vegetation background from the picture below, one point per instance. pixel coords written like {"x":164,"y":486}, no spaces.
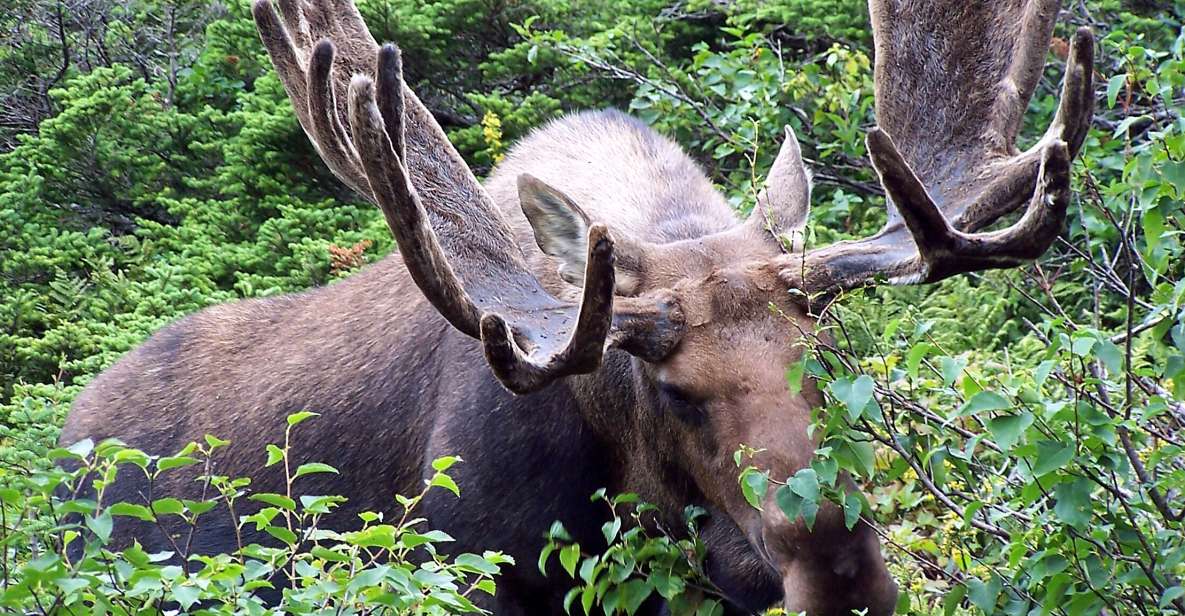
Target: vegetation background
{"x":1021,"y":434}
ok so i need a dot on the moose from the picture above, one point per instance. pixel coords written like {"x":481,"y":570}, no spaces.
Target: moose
{"x":594,"y":314}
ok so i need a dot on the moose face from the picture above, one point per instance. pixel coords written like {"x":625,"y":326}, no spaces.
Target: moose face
{"x":724,"y":386}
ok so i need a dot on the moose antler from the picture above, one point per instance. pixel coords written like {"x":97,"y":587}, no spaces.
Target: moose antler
{"x":454,"y":241}
{"x":953,"y":79}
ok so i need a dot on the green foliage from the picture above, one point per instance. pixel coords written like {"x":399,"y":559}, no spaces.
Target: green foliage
{"x":65,"y":561}
{"x":642,"y":560}
{"x":126,"y":211}
{"x":803,"y":23}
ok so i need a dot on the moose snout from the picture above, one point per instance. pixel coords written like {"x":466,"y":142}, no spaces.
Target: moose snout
{"x":826,"y":570}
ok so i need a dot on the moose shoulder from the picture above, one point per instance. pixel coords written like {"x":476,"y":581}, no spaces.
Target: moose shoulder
{"x":595,"y":315}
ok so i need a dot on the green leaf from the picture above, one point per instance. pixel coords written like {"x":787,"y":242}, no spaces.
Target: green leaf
{"x":789,"y":502}
{"x":275,"y":500}
{"x":134,"y":456}
{"x":274,"y":455}
{"x":1073,"y":502}
{"x":569,"y":598}
{"x":440,"y":480}
{"x":969,"y":512}
{"x":544,"y":555}
{"x":82,"y":448}
{"x":199,"y":507}
{"x":852,"y":508}
{"x":589,"y":568}
{"x":794,"y":506}
{"x":858,"y":456}
{"x":754,"y":483}
{"x":587,"y":596}
{"x":172,"y":462}
{"x":167,"y":506}
{"x":281,"y":533}
{"x":1082,"y":345}
{"x":1110,"y":355}
{"x":330,"y":555}
{"x":1007,"y":430}
{"x":794,"y":376}
{"x":384,"y":536}
{"x":1114,"y":87}
{"x":951,"y":369}
{"x":476,"y":564}
{"x":854,"y":394}
{"x":1051,"y":455}
{"x":1042,"y":371}
{"x":984,"y":595}
{"x":805,"y":483}
{"x":296,"y":419}
{"x":710,"y":607}
{"x":1174,"y":175}
{"x":569,"y":556}
{"x":915,"y":356}
{"x":131,"y":510}
{"x":903,"y":603}
{"x":444,"y":463}
{"x":984,"y":401}
{"x":953,"y":598}
{"x":826,"y":468}
{"x":437,"y":536}
{"x":100,"y":525}
{"x":1169,"y":595}
{"x":186,"y":596}
{"x":313,"y":467}
{"x":633,"y":593}
{"x":610,"y":529}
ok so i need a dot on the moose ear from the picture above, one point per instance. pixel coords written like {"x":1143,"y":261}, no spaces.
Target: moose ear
{"x":561,"y":231}
{"x":784,"y":203}
{"x":560,"y":226}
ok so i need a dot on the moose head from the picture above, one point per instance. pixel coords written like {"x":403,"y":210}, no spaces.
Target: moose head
{"x":675,"y":343}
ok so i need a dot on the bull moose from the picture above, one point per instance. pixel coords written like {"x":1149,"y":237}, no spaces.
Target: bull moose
{"x":595,"y":314}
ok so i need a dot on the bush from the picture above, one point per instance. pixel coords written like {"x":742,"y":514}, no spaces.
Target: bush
{"x":59,"y":557}
{"x":642,"y":560}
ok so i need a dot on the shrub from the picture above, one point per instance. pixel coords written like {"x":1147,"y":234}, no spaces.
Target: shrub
{"x":642,"y":560}
{"x":58,"y":554}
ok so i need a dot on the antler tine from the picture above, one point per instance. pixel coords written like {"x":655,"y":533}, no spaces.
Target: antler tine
{"x":402,"y":206}
{"x":329,"y":135}
{"x":1076,"y":108}
{"x":390,"y":101}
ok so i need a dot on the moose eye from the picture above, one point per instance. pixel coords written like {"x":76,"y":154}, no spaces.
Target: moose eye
{"x":686,"y":408}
